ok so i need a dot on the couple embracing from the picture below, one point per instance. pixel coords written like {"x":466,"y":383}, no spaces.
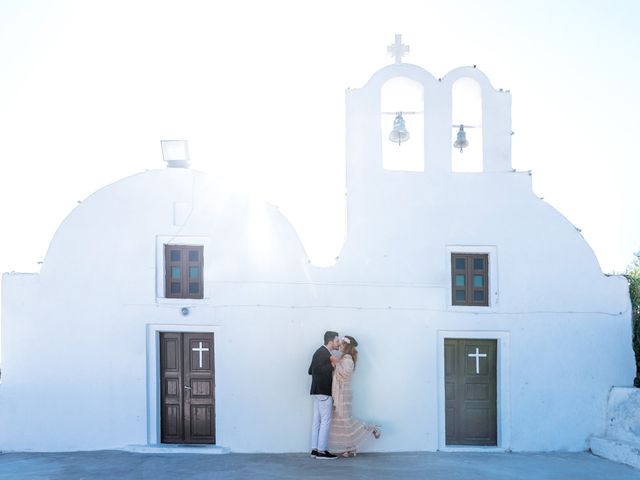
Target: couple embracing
{"x":334,"y":428}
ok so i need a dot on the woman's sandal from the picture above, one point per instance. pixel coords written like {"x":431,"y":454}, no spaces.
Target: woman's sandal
{"x":349,"y":453}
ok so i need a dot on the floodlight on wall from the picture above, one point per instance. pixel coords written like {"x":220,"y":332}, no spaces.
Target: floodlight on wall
{"x":175,"y":153}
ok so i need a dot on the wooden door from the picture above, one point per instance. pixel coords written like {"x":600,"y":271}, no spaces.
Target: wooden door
{"x":187,"y":392}
{"x":470,"y":391}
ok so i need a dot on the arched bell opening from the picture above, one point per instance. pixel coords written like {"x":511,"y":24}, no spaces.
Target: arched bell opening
{"x":402,"y":124}
{"x":466,"y":126}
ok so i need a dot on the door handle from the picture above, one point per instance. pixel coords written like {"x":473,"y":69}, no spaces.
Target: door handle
{"x":188,"y":388}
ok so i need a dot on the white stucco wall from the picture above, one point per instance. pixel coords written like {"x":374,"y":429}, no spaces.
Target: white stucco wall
{"x":79,"y":339}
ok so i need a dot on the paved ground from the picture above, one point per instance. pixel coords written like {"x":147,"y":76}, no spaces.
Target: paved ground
{"x":397,"y":466}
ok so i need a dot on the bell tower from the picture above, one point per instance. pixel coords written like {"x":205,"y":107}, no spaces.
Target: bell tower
{"x":409,"y":132}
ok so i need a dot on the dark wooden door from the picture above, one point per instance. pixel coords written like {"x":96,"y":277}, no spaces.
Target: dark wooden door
{"x":187,"y":392}
{"x":470,"y":391}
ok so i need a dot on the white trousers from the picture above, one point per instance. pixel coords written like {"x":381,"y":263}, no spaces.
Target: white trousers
{"x":322,"y":412}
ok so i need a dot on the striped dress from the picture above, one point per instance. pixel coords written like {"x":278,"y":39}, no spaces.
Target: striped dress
{"x":347,"y":433}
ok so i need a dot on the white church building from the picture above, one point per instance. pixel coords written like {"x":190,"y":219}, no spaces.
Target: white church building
{"x":171,"y":310}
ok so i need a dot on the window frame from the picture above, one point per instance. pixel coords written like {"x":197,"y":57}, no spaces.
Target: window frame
{"x":492,"y":281}
{"x":160,"y":274}
{"x":184,"y":263}
{"x":470,"y":272}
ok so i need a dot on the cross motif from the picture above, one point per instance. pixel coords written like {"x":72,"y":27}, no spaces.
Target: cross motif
{"x":477,"y":355}
{"x":200,"y":350}
{"x":398,"y":49}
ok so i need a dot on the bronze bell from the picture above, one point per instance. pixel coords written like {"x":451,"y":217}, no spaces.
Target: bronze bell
{"x":461,"y":140}
{"x":399,"y":133}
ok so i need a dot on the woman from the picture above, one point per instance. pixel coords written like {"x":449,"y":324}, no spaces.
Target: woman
{"x":347,"y":433}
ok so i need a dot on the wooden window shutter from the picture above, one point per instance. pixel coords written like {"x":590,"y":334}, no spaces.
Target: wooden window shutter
{"x":183,"y":271}
{"x":470,"y":279}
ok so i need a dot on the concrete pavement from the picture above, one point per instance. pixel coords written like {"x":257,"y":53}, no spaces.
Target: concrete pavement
{"x":120,"y":465}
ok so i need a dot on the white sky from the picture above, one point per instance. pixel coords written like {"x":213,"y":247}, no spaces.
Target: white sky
{"x":88,"y":89}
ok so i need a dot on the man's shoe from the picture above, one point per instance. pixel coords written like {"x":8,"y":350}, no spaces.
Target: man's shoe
{"x":314,"y":452}
{"x":326,"y":456}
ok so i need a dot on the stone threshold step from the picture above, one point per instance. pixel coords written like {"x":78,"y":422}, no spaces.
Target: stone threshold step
{"x":176,"y":448}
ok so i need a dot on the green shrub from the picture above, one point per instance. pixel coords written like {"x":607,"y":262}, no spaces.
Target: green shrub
{"x":633,"y":275}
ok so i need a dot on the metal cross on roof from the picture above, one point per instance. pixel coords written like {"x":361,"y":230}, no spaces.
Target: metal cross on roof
{"x":398,"y":49}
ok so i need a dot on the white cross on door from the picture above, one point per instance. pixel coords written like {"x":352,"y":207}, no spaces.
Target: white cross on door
{"x":477,"y":355}
{"x":200,"y":350}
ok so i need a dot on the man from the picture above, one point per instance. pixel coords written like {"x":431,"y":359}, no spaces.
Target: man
{"x":321,"y":371}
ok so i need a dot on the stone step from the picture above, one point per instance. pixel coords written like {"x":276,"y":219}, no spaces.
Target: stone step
{"x":616,"y":450}
{"x":174,"y":448}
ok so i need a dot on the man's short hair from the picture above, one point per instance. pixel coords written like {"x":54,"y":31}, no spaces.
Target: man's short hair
{"x":328,"y":336}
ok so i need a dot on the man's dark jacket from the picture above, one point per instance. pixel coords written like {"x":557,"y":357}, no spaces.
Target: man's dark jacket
{"x":321,"y":372}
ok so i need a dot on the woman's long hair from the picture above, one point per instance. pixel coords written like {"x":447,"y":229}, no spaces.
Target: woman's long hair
{"x":350,"y":349}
